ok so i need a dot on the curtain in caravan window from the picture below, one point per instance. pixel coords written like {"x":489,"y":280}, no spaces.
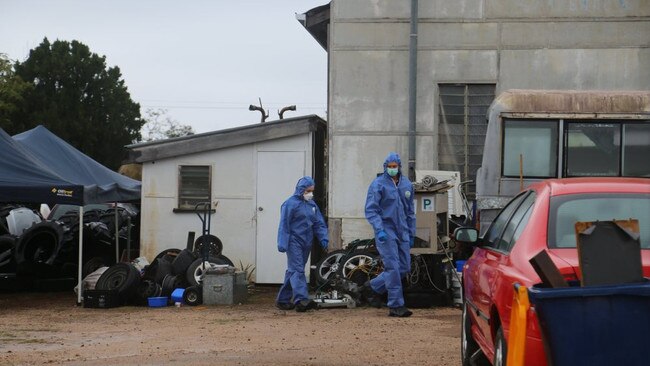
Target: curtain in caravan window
{"x":535,"y":142}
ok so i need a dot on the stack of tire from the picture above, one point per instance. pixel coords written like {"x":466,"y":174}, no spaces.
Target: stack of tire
{"x":171,"y":269}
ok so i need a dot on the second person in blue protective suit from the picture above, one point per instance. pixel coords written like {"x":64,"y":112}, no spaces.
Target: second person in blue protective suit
{"x":391,"y":213}
{"x":300,"y":221}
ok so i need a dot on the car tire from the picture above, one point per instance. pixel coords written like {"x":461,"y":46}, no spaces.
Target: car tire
{"x":500,"y":349}
{"x":7,"y":247}
{"x":360,"y":266}
{"x":226,"y":259}
{"x":157,"y":270}
{"x":193,"y":295}
{"x":182,"y":261}
{"x":168,"y":254}
{"x":40,"y":243}
{"x":196,"y":270}
{"x":328,"y":267}
{"x":468,"y":345}
{"x":215,"y":246}
{"x":92,"y":265}
{"x":122,"y":277}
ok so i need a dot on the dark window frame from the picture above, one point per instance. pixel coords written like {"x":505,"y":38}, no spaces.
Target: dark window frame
{"x":530,"y":120}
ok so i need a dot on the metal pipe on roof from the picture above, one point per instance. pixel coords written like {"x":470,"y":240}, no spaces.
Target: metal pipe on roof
{"x":289,"y":108}
{"x":413,"y":67}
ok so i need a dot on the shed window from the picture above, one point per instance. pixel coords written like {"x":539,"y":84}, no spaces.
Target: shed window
{"x":530,"y":147}
{"x":194,"y":186}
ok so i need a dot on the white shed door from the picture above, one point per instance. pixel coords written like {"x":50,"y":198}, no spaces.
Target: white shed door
{"x":277,"y":175}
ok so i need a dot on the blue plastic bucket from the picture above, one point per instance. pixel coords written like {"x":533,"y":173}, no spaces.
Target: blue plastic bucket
{"x":157,"y":302}
{"x":599,"y":325}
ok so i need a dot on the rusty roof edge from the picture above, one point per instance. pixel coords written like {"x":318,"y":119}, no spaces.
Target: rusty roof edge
{"x":571,"y":101}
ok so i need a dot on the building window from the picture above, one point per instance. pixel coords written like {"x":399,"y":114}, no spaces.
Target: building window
{"x":462,"y":128}
{"x":592,"y":149}
{"x":194,"y":186}
{"x":530,"y":148}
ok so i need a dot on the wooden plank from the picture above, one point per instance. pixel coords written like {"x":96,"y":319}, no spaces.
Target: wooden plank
{"x":547,"y":271}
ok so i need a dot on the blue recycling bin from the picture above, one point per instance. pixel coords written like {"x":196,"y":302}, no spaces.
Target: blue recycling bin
{"x":599,"y":325}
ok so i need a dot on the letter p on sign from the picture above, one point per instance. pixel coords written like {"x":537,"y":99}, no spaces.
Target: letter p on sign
{"x":428,"y":204}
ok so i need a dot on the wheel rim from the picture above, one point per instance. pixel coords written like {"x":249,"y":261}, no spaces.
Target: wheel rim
{"x":201,"y":269}
{"x":192,"y":296}
{"x":358,"y":262}
{"x":330,"y":265}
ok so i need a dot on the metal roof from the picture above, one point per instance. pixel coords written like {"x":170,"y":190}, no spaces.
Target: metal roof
{"x":316,"y":22}
{"x":215,"y":140}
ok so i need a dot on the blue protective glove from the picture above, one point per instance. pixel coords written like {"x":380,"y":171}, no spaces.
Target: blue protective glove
{"x":382,"y":237}
{"x":324,"y":244}
{"x":412,"y":241}
{"x":282,"y":248}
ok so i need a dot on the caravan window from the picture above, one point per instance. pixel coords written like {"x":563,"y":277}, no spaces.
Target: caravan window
{"x":593,"y":149}
{"x":530,"y":146}
{"x":607,"y":148}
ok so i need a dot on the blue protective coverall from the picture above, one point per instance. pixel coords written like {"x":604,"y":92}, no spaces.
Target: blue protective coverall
{"x":300,"y":220}
{"x":390,"y":208}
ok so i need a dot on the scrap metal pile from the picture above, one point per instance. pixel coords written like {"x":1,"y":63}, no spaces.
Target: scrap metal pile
{"x":31,"y":246}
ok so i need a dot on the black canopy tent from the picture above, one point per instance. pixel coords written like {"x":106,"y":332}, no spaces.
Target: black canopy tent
{"x":23,"y":178}
{"x":94,"y":182}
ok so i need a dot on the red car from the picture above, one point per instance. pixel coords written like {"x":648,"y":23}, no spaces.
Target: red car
{"x":540,"y":218}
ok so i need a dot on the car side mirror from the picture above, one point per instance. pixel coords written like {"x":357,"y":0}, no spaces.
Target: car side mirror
{"x":466,"y":234}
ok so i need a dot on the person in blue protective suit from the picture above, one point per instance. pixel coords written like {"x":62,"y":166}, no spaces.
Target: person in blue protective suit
{"x":300,"y":220}
{"x":391,"y":213}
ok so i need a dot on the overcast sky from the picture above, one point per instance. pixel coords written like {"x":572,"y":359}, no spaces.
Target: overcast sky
{"x":204,"y":61}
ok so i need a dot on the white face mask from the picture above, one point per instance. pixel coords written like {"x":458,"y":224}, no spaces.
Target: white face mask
{"x":308,"y":196}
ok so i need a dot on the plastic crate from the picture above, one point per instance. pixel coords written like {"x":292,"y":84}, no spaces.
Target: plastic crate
{"x":101,"y":299}
{"x":599,"y":325}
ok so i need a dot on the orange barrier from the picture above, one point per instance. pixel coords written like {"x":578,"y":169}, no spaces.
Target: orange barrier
{"x":517,"y":337}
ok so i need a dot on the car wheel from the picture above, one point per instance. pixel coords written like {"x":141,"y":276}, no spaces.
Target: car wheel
{"x":329,"y":266}
{"x":197,"y":269}
{"x":122,"y":277}
{"x":215,"y":246}
{"x":360,"y":266}
{"x":500,"y":350}
{"x":193,"y":295}
{"x":168,"y":254}
{"x":468,"y":345}
{"x":182,"y":261}
{"x":92,"y":265}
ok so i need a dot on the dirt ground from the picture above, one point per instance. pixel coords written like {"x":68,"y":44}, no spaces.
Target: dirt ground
{"x":48,"y":328}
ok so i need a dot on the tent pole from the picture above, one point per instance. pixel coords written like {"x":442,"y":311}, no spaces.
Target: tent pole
{"x":81,"y":240}
{"x":117,"y":237}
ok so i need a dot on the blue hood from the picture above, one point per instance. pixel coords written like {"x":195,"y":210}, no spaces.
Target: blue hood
{"x":303,"y":183}
{"x":393,"y":157}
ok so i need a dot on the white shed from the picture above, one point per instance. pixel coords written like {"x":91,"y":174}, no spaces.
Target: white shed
{"x":249,"y":170}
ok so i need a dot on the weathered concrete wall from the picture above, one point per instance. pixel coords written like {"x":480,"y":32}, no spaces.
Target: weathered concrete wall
{"x":515,"y":44}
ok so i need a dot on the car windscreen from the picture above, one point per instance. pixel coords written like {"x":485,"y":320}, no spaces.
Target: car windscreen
{"x":566,"y":210}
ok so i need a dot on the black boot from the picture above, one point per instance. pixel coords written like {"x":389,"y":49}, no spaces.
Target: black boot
{"x":284,"y":306}
{"x":305,"y":305}
{"x":400,"y":312}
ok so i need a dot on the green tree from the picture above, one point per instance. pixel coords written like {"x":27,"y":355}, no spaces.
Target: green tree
{"x":160,"y":126}
{"x":79,"y":99}
{"x":12,"y":89}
